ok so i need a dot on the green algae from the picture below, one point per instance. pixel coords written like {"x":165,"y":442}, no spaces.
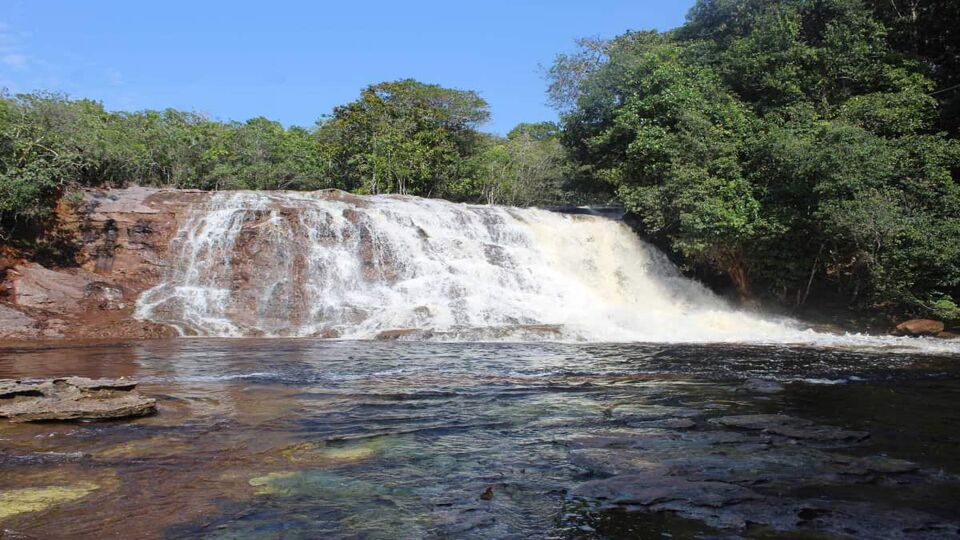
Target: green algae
{"x":36,"y":499}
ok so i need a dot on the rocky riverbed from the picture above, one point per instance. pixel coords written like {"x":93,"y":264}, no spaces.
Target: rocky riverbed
{"x":314,"y":438}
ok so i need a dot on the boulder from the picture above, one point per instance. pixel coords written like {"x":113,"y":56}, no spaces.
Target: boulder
{"x":918,"y":327}
{"x":72,"y":398}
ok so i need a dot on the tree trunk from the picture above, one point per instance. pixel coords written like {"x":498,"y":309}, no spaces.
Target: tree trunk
{"x":737,"y":269}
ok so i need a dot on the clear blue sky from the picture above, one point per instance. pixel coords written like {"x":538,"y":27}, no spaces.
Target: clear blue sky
{"x":294,"y":61}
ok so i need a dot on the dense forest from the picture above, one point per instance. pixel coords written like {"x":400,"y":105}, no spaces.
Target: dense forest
{"x":803,"y":150}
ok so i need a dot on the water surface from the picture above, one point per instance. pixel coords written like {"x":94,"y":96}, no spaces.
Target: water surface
{"x":301,"y":438}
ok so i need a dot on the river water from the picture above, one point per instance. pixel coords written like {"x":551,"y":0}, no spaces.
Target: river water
{"x":304,"y":438}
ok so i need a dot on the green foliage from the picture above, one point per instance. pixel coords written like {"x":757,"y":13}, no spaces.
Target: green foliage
{"x":528,"y":167}
{"x":398,"y":137}
{"x":787,"y":144}
{"x":406,"y":137}
{"x":925,"y":31}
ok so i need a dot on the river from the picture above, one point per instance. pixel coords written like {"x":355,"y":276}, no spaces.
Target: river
{"x":307,"y":438}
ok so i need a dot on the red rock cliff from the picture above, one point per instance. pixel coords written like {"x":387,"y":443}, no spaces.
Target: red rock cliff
{"x":122,"y":236}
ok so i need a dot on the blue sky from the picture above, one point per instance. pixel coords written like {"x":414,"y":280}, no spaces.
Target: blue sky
{"x":294,"y":61}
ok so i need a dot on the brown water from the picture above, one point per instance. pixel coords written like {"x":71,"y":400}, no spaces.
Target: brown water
{"x":296,"y":438}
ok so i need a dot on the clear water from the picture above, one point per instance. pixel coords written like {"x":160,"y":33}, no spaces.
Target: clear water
{"x":302,"y":438}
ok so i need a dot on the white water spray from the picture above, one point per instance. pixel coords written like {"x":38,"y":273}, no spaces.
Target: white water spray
{"x":334,"y":265}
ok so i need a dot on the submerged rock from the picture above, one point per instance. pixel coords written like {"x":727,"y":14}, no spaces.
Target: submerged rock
{"x":649,"y":488}
{"x":737,"y":480}
{"x":318,"y":453}
{"x":762,"y":386}
{"x":36,"y":499}
{"x":788,"y":426}
{"x":72,"y":398}
{"x":665,"y":423}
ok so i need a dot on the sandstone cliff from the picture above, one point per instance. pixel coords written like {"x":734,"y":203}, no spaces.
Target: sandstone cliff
{"x":122,"y":237}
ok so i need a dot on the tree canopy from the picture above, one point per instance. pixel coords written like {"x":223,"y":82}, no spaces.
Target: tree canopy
{"x":797,"y":149}
{"x":791,"y":145}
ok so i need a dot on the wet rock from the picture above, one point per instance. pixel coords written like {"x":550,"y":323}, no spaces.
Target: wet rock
{"x":36,"y":499}
{"x":642,"y":412}
{"x":819,"y":433}
{"x":84,"y":383}
{"x":828,"y":328}
{"x":615,"y":462}
{"x":104,"y":296}
{"x":877,"y":464}
{"x":759,"y":421}
{"x":58,"y":291}
{"x":318,"y":453}
{"x":72,"y":398}
{"x":15,"y":324}
{"x":319,"y":484}
{"x":157,"y":447}
{"x":696,"y":477}
{"x":762,"y":386}
{"x":948,"y":335}
{"x":788,"y":426}
{"x":399,"y":333}
{"x":649,"y":488}
{"x":819,"y":518}
{"x":918,"y":327}
{"x":327,"y":333}
{"x":270,"y":483}
{"x":666,"y":423}
{"x":661,"y":440}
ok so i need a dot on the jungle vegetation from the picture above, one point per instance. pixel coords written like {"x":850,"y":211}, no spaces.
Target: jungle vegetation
{"x":800,"y":149}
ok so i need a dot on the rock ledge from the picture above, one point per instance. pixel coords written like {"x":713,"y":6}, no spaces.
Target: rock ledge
{"x":72,"y":398}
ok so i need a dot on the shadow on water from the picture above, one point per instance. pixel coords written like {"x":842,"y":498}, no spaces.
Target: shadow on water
{"x":308,"y":438}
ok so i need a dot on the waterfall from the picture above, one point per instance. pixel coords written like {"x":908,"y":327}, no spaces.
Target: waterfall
{"x":330,"y":264}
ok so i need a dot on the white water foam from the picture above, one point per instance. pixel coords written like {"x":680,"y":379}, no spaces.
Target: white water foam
{"x":334,"y":265}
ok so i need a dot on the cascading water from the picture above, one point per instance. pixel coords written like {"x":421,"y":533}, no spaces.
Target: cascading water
{"x":334,"y":265}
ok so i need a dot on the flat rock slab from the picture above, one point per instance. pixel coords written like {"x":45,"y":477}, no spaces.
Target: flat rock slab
{"x":649,"y":488}
{"x":788,"y":426}
{"x":72,"y":398}
{"x":762,"y":386}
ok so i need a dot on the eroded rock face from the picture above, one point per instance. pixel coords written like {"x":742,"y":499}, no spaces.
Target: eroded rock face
{"x":122,"y":237}
{"x":38,"y":287}
{"x":72,"y":398}
{"x":15,"y":324}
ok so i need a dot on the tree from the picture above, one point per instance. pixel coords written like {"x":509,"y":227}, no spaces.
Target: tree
{"x":528,"y":167}
{"x":928,"y":31}
{"x":791,"y":145}
{"x":406,"y":137}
